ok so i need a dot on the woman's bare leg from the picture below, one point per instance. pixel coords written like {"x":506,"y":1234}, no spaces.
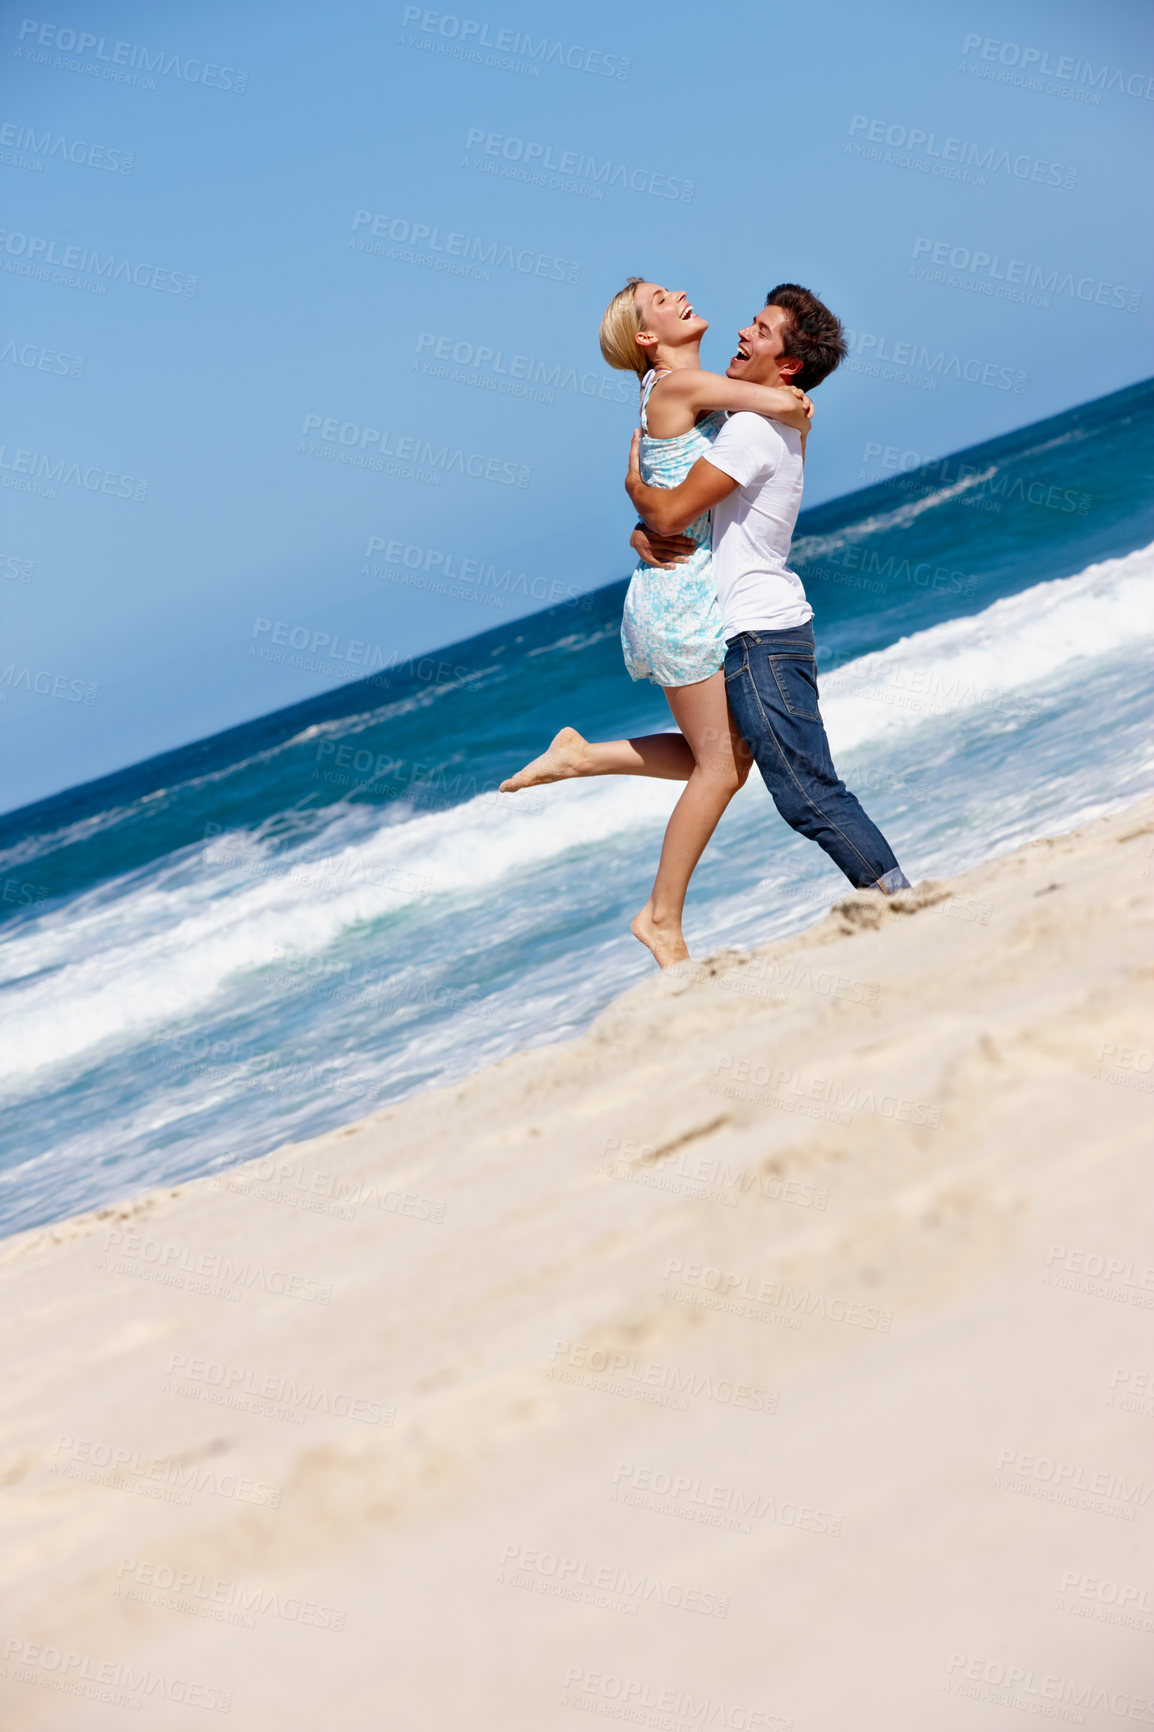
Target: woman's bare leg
{"x":665,"y":756}
{"x":721,"y":763}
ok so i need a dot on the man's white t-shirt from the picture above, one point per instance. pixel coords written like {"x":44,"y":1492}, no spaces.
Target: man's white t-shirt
{"x":753,"y":525}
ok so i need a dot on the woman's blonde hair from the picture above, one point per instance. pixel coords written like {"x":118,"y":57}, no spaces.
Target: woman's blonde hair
{"x":620,"y":323}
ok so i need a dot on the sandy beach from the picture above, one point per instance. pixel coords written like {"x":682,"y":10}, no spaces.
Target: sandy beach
{"x":778,"y":1354}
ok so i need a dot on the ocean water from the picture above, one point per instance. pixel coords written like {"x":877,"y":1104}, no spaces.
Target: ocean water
{"x":272,"y":932}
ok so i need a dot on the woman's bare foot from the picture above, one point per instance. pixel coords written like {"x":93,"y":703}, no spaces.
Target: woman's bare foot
{"x":565,"y":757}
{"x":664,"y":940}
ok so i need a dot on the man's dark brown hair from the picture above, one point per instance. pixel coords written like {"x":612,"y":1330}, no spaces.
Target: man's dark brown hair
{"x":812,"y":334}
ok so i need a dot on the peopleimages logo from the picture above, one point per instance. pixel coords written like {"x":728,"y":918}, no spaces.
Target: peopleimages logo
{"x":986,"y":487}
{"x":41,"y":360}
{"x":79,"y":151}
{"x":368,"y":446}
{"x":217,"y":1597}
{"x":541,"y":158}
{"x":36,"y":252}
{"x":45,"y":684}
{"x":869,"y":346}
{"x":450,"y":250}
{"x":440,"y":564}
{"x":37,"y":472}
{"x":1029,"y":1689}
{"x":470,"y":34}
{"x":954,"y":156}
{"x":1037,"y":61}
{"x":1015,"y":275}
{"x":118,"y":1683}
{"x":495,"y":369}
{"x":647,"y":1702}
{"x":124,"y":55}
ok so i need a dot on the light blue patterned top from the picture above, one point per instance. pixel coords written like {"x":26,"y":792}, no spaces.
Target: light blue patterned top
{"x":671,"y":629}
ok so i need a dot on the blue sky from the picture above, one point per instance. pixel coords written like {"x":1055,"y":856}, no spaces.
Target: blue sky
{"x":353,"y":260}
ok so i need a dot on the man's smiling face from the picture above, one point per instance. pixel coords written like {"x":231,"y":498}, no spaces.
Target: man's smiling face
{"x":760,"y":357}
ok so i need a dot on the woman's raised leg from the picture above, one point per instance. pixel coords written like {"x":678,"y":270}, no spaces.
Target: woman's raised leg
{"x":666,"y":756}
{"x":721,"y":763}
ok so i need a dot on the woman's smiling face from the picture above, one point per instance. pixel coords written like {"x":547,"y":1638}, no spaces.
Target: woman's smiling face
{"x":667,"y":316}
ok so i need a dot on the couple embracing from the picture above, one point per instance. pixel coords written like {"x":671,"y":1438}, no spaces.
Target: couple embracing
{"x":713,"y":614}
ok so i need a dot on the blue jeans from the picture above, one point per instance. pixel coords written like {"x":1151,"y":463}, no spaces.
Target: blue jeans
{"x":771,"y":682}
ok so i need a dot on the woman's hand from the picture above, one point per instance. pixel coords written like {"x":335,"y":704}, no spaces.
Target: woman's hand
{"x":801,"y":414}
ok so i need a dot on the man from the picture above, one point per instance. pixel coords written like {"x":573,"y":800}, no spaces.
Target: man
{"x":752,"y":483}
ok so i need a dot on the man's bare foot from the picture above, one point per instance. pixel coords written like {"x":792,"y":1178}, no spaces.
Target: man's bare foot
{"x":665,"y":941}
{"x":565,"y":757}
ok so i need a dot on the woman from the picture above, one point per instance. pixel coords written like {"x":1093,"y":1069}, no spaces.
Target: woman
{"x":671,"y":626}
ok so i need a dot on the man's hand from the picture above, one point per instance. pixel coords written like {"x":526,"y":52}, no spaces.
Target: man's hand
{"x":662,"y":552}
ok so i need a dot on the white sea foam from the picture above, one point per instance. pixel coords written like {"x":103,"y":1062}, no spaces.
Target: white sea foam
{"x":990,"y":660}
{"x":127,"y":958}
{"x":113,"y":963}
